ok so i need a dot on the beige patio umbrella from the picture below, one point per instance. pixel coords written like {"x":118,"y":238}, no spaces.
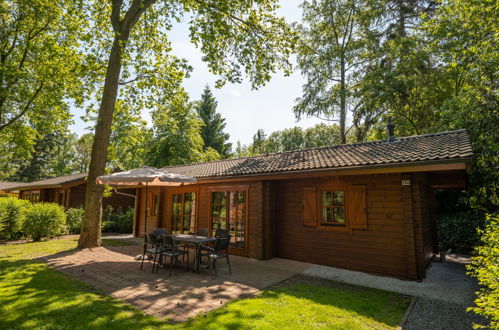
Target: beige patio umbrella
{"x":148,"y":176}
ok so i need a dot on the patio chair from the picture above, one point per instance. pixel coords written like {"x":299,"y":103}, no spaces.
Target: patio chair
{"x":169,"y":248}
{"x":160,"y":231}
{"x":202,"y":232}
{"x":221,"y":232}
{"x":219,"y":250}
{"x":154,"y":250}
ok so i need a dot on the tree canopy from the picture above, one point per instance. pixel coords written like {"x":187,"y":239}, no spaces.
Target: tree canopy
{"x":212,"y":131}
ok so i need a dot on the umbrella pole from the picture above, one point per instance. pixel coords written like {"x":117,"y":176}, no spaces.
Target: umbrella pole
{"x":145,"y":215}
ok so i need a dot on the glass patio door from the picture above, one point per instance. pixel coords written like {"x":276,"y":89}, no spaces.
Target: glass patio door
{"x":228,"y":211}
{"x":183,"y":213}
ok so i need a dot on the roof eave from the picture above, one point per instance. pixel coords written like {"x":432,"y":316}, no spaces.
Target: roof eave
{"x":396,"y":168}
{"x":48,"y":186}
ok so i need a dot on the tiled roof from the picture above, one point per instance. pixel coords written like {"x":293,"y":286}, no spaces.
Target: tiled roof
{"x":5,"y":185}
{"x":444,"y":146}
{"x":52,"y":182}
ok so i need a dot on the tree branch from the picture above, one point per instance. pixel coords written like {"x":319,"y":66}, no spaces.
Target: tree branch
{"x":26,"y":108}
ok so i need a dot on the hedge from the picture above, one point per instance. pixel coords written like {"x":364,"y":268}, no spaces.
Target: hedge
{"x":12,"y":214}
{"x":485,"y":267}
{"x":44,"y":220}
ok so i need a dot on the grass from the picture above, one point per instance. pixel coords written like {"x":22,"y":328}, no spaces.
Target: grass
{"x":33,"y":295}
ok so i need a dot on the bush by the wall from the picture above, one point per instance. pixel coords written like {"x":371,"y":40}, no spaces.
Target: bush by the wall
{"x":485,"y":267}
{"x":12,"y":211}
{"x":458,"y":231}
{"x":44,"y":220}
{"x":118,"y":221}
{"x":74,"y":219}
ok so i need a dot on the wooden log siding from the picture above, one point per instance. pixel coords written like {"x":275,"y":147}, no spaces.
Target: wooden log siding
{"x":379,"y":249}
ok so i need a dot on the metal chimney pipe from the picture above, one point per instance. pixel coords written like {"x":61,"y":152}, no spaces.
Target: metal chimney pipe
{"x":390,"y":127}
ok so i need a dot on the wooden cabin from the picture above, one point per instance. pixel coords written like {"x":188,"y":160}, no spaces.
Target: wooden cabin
{"x":4,"y":185}
{"x":69,"y":191}
{"x":365,"y":206}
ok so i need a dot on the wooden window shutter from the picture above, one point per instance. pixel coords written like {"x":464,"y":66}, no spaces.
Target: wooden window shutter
{"x":309,"y":206}
{"x":357,"y":209}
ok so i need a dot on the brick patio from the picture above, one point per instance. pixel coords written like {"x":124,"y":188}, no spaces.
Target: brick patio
{"x":179,"y":297}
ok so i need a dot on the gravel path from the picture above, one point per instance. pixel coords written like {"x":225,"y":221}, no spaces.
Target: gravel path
{"x":433,"y":314}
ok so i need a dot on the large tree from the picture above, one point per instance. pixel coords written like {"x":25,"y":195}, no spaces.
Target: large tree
{"x":176,"y":135}
{"x":213,"y":129}
{"x":329,"y":56}
{"x":40,"y":70}
{"x":399,"y":77}
{"x":234,"y":36}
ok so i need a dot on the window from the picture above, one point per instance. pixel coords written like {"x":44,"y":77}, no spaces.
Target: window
{"x":35,"y":197}
{"x":183,"y":212}
{"x":60,"y":198}
{"x":228,"y":211}
{"x":333,"y":208}
{"x":155,"y":204}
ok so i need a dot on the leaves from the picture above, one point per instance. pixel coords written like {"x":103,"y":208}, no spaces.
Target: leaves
{"x":213,"y":127}
{"x":485,"y":267}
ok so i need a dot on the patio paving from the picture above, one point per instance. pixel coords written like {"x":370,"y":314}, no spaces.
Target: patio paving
{"x":114,"y":271}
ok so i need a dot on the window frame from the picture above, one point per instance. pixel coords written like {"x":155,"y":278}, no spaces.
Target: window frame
{"x":169,"y":207}
{"x":321,"y":221}
{"x":228,"y":189}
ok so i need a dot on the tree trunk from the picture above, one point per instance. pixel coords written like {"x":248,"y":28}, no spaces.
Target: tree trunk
{"x":343,"y":103}
{"x":91,"y":229}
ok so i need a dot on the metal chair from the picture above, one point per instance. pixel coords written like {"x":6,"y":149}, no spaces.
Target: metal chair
{"x":219,"y":250}
{"x":150,"y":240}
{"x":202,"y":232}
{"x":169,"y":248}
{"x":160,"y":231}
{"x":221,"y":232}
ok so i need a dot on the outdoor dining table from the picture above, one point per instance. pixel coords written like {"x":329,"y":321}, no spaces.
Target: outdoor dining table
{"x":197,"y":241}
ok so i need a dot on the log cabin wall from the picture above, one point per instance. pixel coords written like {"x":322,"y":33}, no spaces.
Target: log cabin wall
{"x":381,"y":248}
{"x":424,"y":235}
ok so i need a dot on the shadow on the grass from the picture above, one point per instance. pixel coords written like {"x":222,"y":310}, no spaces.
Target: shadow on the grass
{"x":32,"y":295}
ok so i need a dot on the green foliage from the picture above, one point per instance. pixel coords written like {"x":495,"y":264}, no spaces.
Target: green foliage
{"x":54,"y":155}
{"x":118,"y":221}
{"x":295,"y":138}
{"x":41,"y":70}
{"x":458,"y":230}
{"x":12,"y":214}
{"x":176,"y":133}
{"x":130,"y":138}
{"x":83,"y":151}
{"x":44,"y":220}
{"x":74,"y":219}
{"x":212,"y":131}
{"x":485,"y":267}
{"x":329,"y":56}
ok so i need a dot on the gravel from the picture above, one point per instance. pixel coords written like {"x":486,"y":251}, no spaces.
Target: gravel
{"x":433,"y":314}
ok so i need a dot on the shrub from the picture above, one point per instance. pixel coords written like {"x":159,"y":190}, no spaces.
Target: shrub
{"x":485,"y":267}
{"x":117,"y":222}
{"x":74,"y":219}
{"x":12,"y":211}
{"x":44,"y":220}
{"x":458,"y":231}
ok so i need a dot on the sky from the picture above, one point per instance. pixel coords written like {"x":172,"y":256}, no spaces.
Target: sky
{"x":245,"y":110}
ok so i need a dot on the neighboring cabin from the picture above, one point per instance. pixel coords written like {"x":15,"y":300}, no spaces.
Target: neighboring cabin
{"x":365,"y":206}
{"x":6,"y":185}
{"x":69,"y":191}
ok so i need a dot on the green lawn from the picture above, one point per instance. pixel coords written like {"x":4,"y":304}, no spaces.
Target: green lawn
{"x":32,"y":295}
